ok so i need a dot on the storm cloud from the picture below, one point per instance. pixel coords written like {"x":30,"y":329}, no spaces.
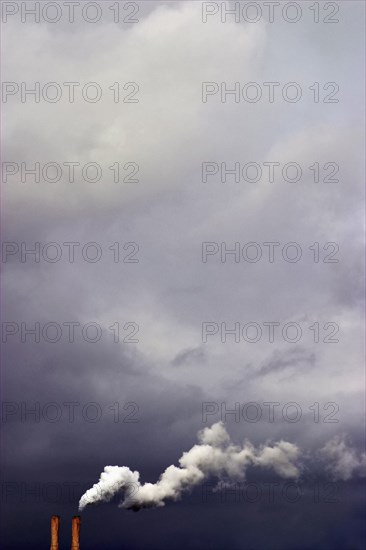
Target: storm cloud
{"x":151,"y":363}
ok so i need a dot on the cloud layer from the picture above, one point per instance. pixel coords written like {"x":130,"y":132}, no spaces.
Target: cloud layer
{"x":170,"y":372}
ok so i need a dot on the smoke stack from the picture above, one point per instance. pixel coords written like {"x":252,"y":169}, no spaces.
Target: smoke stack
{"x":75,"y":533}
{"x":55,"y":525}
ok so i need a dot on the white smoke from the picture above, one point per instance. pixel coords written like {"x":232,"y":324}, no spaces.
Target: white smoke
{"x":343,"y":461}
{"x":215,"y":455}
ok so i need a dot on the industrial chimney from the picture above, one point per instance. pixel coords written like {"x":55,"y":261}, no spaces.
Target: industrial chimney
{"x":55,"y":525}
{"x":75,"y":533}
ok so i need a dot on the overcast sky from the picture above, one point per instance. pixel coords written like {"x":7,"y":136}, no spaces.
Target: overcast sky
{"x":167,"y":291}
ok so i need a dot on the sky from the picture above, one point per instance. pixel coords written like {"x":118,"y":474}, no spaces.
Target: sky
{"x":197,"y":217}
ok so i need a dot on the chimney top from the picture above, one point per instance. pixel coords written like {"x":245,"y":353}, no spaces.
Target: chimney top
{"x":75,"y":532}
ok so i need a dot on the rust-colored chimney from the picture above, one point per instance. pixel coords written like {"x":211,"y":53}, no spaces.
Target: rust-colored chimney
{"x":55,"y":525}
{"x":75,"y":533}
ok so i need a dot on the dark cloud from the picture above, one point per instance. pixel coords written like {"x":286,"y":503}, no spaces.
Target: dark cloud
{"x":163,"y":379}
{"x":296,"y":358}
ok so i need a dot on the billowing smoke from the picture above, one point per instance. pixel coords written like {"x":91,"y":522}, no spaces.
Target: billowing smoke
{"x":215,"y":455}
{"x":343,"y":461}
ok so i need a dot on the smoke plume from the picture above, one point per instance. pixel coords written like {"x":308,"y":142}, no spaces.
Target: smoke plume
{"x":215,"y":455}
{"x":343,"y":461}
